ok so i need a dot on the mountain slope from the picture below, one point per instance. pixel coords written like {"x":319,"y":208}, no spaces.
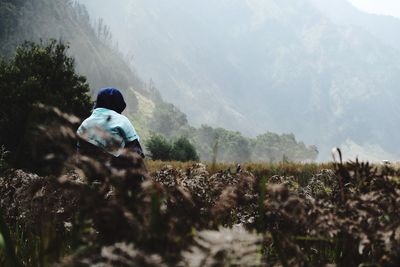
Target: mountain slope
{"x":98,"y":57}
{"x":385,"y":28}
{"x":254,"y":65}
{"x":93,"y":50}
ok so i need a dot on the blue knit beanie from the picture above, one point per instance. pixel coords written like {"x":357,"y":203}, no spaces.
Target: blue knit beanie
{"x":110,"y":98}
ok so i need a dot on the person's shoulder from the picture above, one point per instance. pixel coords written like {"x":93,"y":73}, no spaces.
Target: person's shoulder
{"x":82,"y":127}
{"x":85,"y":121}
{"x":129,"y":130}
{"x":115,"y":116}
{"x":122,"y":121}
{"x":120,"y":117}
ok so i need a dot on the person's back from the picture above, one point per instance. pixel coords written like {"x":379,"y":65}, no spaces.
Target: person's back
{"x":107,"y":128}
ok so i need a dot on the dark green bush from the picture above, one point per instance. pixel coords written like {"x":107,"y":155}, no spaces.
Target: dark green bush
{"x":37,"y":74}
{"x":179,"y":150}
{"x":183,"y":150}
{"x":159,"y":147}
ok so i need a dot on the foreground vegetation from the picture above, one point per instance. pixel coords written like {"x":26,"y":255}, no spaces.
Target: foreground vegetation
{"x":87,"y":212}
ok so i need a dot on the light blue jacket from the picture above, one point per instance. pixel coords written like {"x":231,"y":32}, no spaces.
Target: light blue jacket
{"x":108,"y":130}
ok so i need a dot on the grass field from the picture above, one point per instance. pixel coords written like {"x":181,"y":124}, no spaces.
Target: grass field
{"x":192,"y":214}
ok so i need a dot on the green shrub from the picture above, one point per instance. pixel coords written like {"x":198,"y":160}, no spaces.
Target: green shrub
{"x":159,"y":147}
{"x":37,"y":74}
{"x":179,"y":150}
{"x":183,"y":150}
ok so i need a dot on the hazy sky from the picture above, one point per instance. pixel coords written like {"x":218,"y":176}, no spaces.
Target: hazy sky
{"x":386,"y":7}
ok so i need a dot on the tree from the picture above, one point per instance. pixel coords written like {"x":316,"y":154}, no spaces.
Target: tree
{"x":273,"y":148}
{"x":159,"y":147}
{"x":232,"y":146}
{"x":37,"y":74}
{"x":183,"y":150}
{"x":179,"y":150}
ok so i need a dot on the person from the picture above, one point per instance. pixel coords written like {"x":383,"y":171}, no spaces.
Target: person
{"x":107,"y":128}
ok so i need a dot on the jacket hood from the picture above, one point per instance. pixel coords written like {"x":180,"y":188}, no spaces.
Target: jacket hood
{"x":111,"y":98}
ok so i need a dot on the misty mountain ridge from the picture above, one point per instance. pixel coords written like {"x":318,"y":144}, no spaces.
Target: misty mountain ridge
{"x":284,"y":66}
{"x":98,"y":57}
{"x":385,"y":28}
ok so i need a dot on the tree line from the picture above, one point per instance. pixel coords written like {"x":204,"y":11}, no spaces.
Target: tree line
{"x":228,"y":146}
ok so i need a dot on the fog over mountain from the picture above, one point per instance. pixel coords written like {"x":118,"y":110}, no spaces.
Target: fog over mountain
{"x":385,"y":28}
{"x":321,"y":69}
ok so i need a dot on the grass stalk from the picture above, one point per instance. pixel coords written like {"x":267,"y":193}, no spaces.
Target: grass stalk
{"x":9,"y":247}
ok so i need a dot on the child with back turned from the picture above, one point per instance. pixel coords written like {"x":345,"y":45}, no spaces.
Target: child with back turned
{"x":107,"y":131}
